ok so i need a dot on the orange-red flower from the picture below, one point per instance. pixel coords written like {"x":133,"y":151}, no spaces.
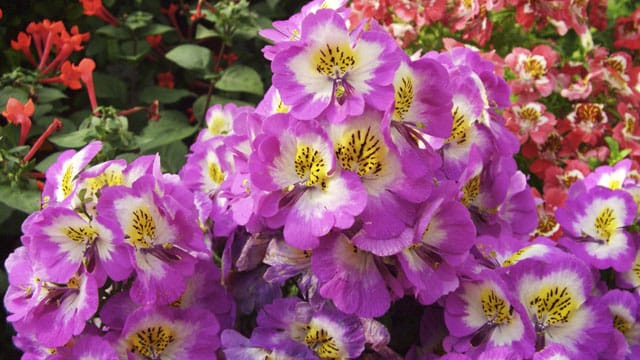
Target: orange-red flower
{"x":23,"y":44}
{"x":154,"y":40}
{"x":95,"y":8}
{"x":85,"y":69}
{"x":19,"y":114}
{"x":165,"y":79}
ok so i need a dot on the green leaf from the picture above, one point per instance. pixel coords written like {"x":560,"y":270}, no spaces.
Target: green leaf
{"x":138,"y":20}
{"x":114,"y":32}
{"x":203,"y":32}
{"x":75,"y":139}
{"x":190,"y":57}
{"x":134,"y":50}
{"x":25,"y":200}
{"x":612,"y":144}
{"x":163,"y":94}
{"x":241,"y":78}
{"x":8,"y":92}
{"x":109,"y":87}
{"x":173,"y":156}
{"x":5,"y":212}
{"x":172,"y":126}
{"x":47,"y":94}
{"x":155,"y":29}
{"x":43,"y":165}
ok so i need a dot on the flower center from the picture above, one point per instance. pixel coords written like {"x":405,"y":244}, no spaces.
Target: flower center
{"x":66,"y":183}
{"x":142,"y":229}
{"x":629,"y":124}
{"x":107,"y":178}
{"x":497,"y":309}
{"x":568,"y":178}
{"x":361,"y":151}
{"x":552,"y":145}
{"x":470,"y":190}
{"x":553,"y":306}
{"x":534,"y":66}
{"x":621,"y":324}
{"x":151,"y":342}
{"x":547,"y":225}
{"x":310,"y":166}
{"x":616,"y":63}
{"x":334,"y":61}
{"x":320,"y":342}
{"x":281,"y":108}
{"x":605,"y":223}
{"x":589,"y":113}
{"x":529,"y":114}
{"x":461,"y":127}
{"x":218,"y":125}
{"x":215,"y":173}
{"x":81,"y":234}
{"x":404,"y":98}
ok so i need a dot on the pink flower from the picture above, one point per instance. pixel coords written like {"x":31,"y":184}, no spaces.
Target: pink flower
{"x":533,"y":67}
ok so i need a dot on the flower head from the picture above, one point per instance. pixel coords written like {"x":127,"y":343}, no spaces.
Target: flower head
{"x":19,"y":114}
{"x":331,"y":72}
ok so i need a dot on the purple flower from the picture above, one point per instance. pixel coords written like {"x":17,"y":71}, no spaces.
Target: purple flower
{"x":333,"y":73}
{"x":441,"y":240}
{"x":86,"y":347}
{"x":92,"y":180}
{"x":307,"y":194}
{"x":393,"y":189}
{"x":557,"y":297}
{"x":352,"y":278}
{"x":594,"y":222}
{"x":160,"y":231}
{"x":287,"y":31}
{"x":422,"y":100}
{"x":61,"y":176}
{"x":286,"y":262}
{"x":291,"y":324}
{"x":623,"y":307}
{"x":169,"y":333}
{"x":484,"y":314}
{"x":612,"y":177}
{"x":224,"y":120}
{"x":630,"y":279}
{"x":68,"y":240}
{"x":25,"y":284}
{"x":236,"y":346}
{"x":62,"y":311}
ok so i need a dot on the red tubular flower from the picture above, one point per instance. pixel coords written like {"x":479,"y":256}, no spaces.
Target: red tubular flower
{"x":165,"y":79}
{"x":198,"y":13}
{"x":95,"y":8}
{"x":23,"y":44}
{"x":171,"y":15}
{"x":154,"y":40}
{"x":626,"y":31}
{"x":18,"y":113}
{"x":53,"y":31}
{"x":0,"y":13}
{"x":69,"y":43}
{"x":85,"y":68}
{"x":54,"y":126}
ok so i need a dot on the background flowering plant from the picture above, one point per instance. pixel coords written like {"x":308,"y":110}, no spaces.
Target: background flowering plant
{"x":374,"y":202}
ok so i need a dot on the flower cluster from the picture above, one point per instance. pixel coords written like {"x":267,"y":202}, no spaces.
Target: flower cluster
{"x":367,"y":186}
{"x":114,"y":265}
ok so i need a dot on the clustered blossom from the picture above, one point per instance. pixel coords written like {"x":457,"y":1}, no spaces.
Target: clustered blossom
{"x":111,"y":237}
{"x":363,"y":181}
